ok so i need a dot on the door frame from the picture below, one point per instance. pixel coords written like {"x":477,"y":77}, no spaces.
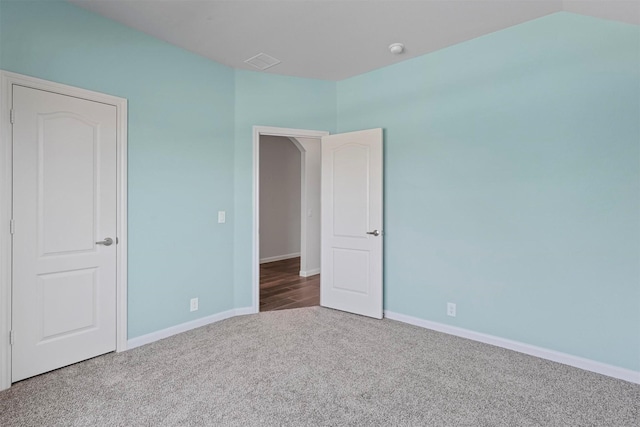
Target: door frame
{"x":287,"y":133}
{"x":7,"y":79}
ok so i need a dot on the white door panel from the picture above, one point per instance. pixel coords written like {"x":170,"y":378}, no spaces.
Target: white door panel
{"x":64,"y":188}
{"x":350,"y":190}
{"x":351,"y":276}
{"x":64,"y":201}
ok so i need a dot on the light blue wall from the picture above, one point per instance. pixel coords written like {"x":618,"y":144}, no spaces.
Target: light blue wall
{"x":180,"y":149}
{"x":269,"y":100}
{"x":512,"y":183}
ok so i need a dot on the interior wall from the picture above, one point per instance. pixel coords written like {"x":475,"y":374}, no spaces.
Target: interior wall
{"x":512,"y":183}
{"x":280,"y":205}
{"x":312,"y":177}
{"x":181,"y":115}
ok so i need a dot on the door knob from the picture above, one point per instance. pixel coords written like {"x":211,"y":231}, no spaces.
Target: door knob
{"x":107,"y":242}
{"x":374,"y":232}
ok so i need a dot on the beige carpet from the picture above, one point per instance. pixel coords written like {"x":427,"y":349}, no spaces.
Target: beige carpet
{"x":319,"y":367}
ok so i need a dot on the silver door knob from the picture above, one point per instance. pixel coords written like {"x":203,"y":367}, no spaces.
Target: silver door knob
{"x":107,"y":242}
{"x":374,"y":232}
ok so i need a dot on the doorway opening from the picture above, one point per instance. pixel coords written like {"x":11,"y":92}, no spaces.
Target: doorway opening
{"x":286,"y":243}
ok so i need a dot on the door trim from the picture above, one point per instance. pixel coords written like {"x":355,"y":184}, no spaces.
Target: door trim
{"x":7,"y":79}
{"x":255,"y":250}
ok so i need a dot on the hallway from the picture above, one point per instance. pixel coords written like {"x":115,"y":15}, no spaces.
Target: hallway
{"x":281,"y":287}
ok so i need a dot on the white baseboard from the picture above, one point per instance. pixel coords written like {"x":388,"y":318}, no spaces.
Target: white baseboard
{"x":309,"y":273}
{"x":543,"y":353}
{"x":187,"y":326}
{"x":245,"y":310}
{"x":278,"y":258}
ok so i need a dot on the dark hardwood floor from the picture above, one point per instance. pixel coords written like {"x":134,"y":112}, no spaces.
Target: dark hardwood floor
{"x":281,"y":286}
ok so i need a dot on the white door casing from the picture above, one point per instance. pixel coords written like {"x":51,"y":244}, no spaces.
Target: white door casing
{"x":64,"y":176}
{"x":352,"y":218}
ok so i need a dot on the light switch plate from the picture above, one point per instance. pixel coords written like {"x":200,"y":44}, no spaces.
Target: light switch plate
{"x":222,"y":217}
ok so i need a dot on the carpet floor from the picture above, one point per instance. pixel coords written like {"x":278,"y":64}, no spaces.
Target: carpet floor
{"x":319,"y":367}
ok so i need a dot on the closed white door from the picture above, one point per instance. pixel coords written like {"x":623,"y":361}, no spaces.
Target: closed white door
{"x":351,"y":271}
{"x":64,"y":208}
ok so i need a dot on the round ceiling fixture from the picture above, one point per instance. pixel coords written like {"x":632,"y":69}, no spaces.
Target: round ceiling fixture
{"x":396,"y":48}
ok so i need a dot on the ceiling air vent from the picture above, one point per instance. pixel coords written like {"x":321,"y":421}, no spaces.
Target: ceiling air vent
{"x":262,"y":61}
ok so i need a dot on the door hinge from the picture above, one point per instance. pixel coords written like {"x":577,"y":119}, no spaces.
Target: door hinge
{"x":12,"y":226}
{"x":11,"y":338}
{"x":12,"y":116}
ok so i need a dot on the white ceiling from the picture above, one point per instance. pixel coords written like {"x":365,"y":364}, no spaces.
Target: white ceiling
{"x":333,"y":40}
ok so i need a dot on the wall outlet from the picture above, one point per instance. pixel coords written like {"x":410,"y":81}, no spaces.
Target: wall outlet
{"x":194,"y":304}
{"x":222,"y":217}
{"x":451,"y":309}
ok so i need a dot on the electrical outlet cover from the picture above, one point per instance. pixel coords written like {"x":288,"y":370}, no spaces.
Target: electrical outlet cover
{"x":451,"y":309}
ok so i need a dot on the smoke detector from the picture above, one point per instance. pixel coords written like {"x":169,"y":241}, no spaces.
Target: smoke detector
{"x":396,"y":48}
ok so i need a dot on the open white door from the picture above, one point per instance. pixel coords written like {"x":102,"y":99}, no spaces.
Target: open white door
{"x":64,"y":246}
{"x":351,"y":272}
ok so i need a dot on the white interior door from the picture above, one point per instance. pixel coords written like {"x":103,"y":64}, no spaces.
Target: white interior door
{"x":351,"y":271}
{"x":64,"y":204}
